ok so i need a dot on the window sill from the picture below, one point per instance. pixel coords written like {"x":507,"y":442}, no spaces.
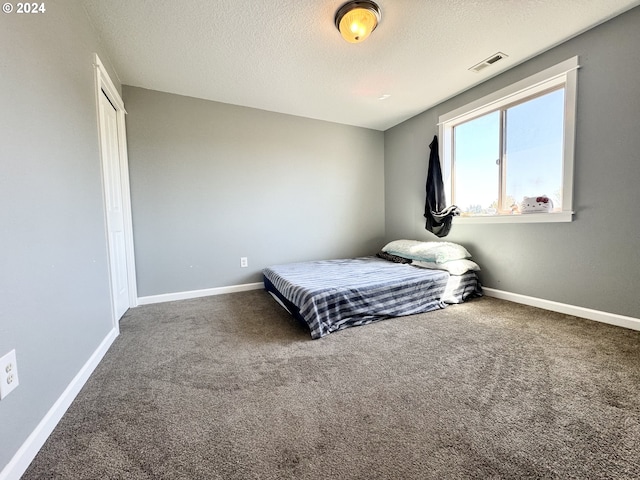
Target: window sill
{"x":521,"y":218}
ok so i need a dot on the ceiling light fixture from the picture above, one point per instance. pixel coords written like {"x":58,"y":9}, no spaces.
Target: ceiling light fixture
{"x":356,"y":20}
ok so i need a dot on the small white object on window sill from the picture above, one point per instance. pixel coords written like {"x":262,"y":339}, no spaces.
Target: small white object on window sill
{"x":539,"y":204}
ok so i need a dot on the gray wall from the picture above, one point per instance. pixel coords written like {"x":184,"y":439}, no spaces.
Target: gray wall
{"x":213,"y":182}
{"x":593,"y":262}
{"x":54,"y":290}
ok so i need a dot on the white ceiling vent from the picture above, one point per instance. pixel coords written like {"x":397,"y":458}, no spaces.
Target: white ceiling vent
{"x":487,"y":62}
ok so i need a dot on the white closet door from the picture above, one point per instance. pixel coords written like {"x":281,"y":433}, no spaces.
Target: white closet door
{"x":114,"y":206}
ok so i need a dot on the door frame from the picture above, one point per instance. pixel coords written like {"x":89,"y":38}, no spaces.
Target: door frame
{"x":104,"y":84}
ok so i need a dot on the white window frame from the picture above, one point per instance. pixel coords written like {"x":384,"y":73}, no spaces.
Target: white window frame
{"x":564,"y":73}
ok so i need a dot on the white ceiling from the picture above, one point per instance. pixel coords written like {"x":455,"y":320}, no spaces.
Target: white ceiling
{"x":287,"y":56}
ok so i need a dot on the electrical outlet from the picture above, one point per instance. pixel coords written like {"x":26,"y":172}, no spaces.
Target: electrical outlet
{"x":8,"y":374}
{"x":244,"y":262}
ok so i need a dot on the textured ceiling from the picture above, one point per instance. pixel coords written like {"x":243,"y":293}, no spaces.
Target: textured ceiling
{"x":287,"y":56}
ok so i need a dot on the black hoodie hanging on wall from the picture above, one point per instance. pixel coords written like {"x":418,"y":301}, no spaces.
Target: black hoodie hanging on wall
{"x":438,"y":215}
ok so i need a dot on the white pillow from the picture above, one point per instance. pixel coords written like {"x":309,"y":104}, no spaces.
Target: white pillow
{"x":454,"y":267}
{"x":438,"y":252}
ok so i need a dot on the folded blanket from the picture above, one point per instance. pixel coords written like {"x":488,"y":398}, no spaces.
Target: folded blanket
{"x":393,"y":258}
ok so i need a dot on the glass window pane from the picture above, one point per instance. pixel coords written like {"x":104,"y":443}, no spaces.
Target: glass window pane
{"x":476,"y":172}
{"x":534,"y":142}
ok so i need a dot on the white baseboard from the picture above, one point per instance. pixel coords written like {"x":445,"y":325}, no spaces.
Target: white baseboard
{"x":597,"y":315}
{"x":170,"y":297}
{"x":32,"y":445}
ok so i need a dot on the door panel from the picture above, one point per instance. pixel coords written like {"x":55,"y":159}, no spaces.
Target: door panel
{"x":114,"y":206}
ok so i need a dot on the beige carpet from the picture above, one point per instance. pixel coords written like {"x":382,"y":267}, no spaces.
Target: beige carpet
{"x":231,"y":387}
